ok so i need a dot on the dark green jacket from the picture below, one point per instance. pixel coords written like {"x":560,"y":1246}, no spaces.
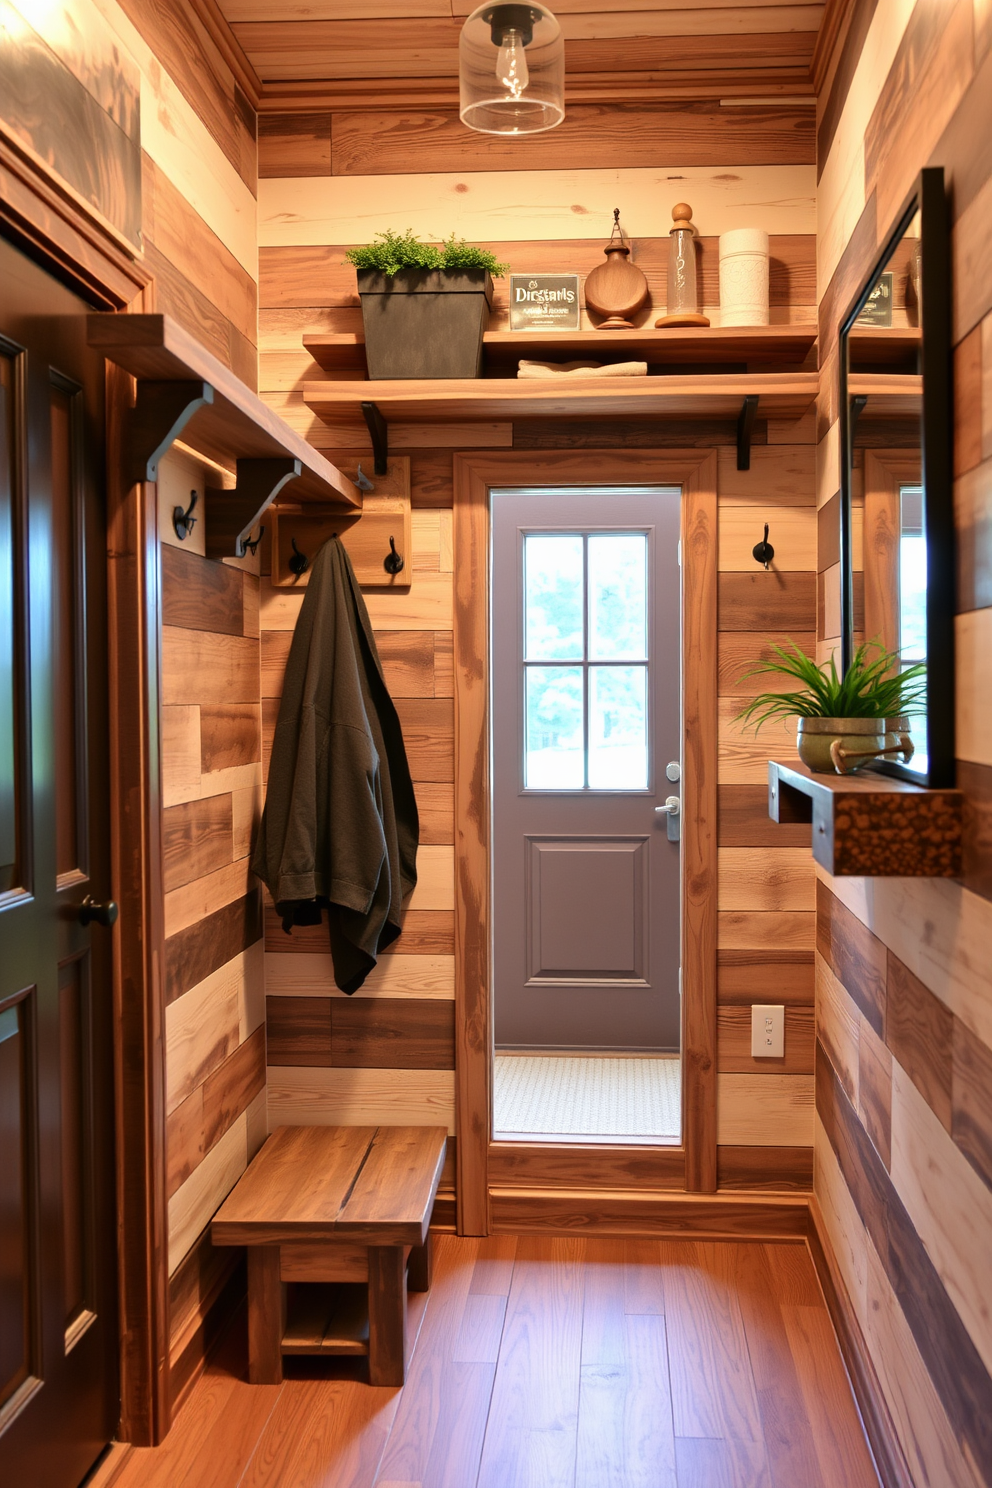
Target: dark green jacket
{"x":340,"y":828}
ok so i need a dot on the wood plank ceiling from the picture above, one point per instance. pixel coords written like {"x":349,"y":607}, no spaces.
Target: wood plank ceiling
{"x":381,"y":52}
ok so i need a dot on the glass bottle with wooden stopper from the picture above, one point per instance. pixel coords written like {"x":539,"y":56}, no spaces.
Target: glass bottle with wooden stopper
{"x":616,"y":289}
{"x":683,"y":298}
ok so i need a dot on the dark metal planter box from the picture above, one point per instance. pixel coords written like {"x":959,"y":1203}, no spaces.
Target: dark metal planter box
{"x":425,"y":323}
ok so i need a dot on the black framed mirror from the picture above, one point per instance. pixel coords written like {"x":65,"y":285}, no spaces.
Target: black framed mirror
{"x":896,"y":508}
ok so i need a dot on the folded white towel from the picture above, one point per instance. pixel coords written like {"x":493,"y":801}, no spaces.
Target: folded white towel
{"x":582,"y":369}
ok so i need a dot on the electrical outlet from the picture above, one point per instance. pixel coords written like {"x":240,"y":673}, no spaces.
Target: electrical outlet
{"x":767,"y":1031}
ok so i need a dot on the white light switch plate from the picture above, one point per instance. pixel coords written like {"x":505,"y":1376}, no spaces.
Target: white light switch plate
{"x":767,"y":1031}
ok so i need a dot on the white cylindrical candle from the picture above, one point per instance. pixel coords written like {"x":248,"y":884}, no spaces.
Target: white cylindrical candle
{"x":744,"y":277}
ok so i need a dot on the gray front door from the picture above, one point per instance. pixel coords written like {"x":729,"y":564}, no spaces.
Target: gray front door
{"x":586,"y":737}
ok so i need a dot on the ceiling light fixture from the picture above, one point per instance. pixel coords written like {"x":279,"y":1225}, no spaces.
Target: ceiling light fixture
{"x":511,"y":70}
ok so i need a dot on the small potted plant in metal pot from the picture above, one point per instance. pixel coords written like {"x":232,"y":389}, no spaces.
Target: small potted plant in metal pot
{"x":425,"y":306}
{"x":844,"y":721}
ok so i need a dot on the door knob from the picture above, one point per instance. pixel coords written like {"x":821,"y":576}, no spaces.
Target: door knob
{"x":672,"y":807}
{"x":91,"y":911}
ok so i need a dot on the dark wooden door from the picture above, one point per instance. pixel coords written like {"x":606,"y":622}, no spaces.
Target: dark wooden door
{"x":59,"y":1399}
{"x":587,"y":742}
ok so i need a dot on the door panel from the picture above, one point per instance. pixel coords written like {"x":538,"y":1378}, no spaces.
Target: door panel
{"x":57,"y":1226}
{"x":586,"y":717}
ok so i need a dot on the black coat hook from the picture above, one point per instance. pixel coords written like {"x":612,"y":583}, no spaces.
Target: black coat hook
{"x":252,"y":543}
{"x":299,"y":563}
{"x":183,"y":522}
{"x":393,"y":561}
{"x":763,"y":552}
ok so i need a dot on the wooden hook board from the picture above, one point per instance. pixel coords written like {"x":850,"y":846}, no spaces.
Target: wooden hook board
{"x":385,"y":514}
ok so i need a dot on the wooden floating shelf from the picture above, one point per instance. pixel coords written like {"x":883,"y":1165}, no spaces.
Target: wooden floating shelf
{"x":889,"y":394}
{"x":345,"y":351}
{"x":184,"y":391}
{"x":871,"y":825}
{"x":780,"y":395}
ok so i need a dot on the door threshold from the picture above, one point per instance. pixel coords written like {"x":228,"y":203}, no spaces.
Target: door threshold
{"x":586,"y":1139}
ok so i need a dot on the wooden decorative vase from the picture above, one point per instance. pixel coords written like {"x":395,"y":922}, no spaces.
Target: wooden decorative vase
{"x":616,"y":289}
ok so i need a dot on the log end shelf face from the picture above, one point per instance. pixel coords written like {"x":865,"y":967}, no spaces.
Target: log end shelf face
{"x":871,"y":826}
{"x":184,"y":391}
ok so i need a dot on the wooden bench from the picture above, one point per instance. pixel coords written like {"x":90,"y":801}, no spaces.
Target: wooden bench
{"x":346,"y":1209}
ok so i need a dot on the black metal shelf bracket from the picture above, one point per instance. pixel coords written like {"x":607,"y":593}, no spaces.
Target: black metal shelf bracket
{"x":745,"y":428}
{"x":858,"y":401}
{"x":232,"y":516}
{"x":379,"y":431}
{"x":160,"y":414}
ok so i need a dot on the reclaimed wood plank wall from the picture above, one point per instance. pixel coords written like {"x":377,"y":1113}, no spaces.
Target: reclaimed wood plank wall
{"x":214,"y":965}
{"x":903,"y":1165}
{"x":134,"y":106}
{"x":324,"y":181}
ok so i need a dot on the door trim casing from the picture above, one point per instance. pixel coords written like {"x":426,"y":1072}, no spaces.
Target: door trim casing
{"x":695,"y":471}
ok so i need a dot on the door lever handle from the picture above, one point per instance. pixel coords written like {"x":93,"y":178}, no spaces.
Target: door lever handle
{"x":91,"y":911}
{"x":672,"y":807}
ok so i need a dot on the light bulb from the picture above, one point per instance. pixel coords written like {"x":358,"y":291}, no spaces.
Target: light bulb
{"x":511,"y":64}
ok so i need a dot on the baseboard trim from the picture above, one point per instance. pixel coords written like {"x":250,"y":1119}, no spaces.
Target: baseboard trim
{"x":876,"y":1418}
{"x":587,"y":1211}
{"x":109,"y":1467}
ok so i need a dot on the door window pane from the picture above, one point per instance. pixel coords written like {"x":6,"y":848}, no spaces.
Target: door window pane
{"x":617,"y":596}
{"x":618,"y":742}
{"x":553,"y":583}
{"x":555,"y":752}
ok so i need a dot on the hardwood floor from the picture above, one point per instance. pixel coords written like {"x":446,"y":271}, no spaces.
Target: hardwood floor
{"x":552,"y":1363}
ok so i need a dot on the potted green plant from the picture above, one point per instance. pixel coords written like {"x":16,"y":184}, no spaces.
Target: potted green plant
{"x":844,"y":721}
{"x":425,"y":306}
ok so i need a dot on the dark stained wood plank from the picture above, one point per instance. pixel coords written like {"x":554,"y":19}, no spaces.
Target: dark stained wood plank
{"x":539,"y":1165}
{"x":197,"y":838}
{"x":699,"y":133}
{"x":230,"y":735}
{"x":175,"y":295}
{"x":734,"y":1042}
{"x":961,"y":1381}
{"x":392,"y":1033}
{"x":919,"y":1030}
{"x":744,"y":977}
{"x":199,"y":1122}
{"x":387,"y":1315}
{"x":294,"y":145}
{"x":855,"y":956}
{"x":199,"y":594}
{"x":971,"y":1122}
{"x":426,"y":932}
{"x":861,"y":15}
{"x":976,"y":783}
{"x":781,"y":602}
{"x":298,"y":1030}
{"x":266,"y":1315}
{"x":744,"y":820}
{"x":193,"y":953}
{"x":713,"y":1388}
{"x":429,"y":735}
{"x":765,"y":1168}
{"x":875,"y":1093}
{"x":205,"y":1291}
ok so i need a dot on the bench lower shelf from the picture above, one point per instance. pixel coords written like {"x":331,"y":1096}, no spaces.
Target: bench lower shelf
{"x":326,"y":1318}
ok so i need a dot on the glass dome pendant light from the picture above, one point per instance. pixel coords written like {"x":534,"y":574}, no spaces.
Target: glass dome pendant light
{"x":511,"y":70}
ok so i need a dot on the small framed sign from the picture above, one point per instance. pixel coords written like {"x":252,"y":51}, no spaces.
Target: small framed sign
{"x":878,"y":307}
{"x":544,"y":302}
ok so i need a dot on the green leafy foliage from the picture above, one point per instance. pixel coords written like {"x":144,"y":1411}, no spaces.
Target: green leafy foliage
{"x":394,"y":251}
{"x":874,"y":686}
